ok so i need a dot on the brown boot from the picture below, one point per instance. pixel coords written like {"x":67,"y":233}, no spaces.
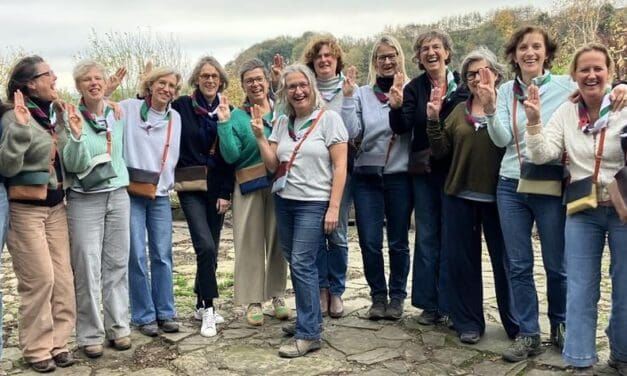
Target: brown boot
{"x":336,"y":307}
{"x":324,"y":301}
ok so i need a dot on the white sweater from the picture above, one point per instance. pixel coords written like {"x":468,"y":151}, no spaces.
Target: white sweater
{"x":563,"y":132}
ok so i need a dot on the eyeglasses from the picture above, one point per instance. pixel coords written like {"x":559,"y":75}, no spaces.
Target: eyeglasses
{"x":48,"y":73}
{"x":301,"y":85}
{"x":207,"y":77}
{"x":471,"y":75}
{"x":383,"y":58}
{"x":251,"y":81}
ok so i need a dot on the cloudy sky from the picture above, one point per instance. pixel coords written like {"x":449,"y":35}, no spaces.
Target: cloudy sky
{"x":58,"y":30}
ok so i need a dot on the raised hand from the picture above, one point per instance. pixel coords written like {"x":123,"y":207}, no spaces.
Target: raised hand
{"x":256,"y":121}
{"x":224,"y":112}
{"x":435,"y":104}
{"x":486,"y":94}
{"x":350,"y":81}
{"x":532,"y":105}
{"x":117,"y":110}
{"x":276,"y":69}
{"x":22,"y":115}
{"x":115,"y":80}
{"x":396,"y":91}
{"x":75,"y":121}
{"x":147,"y":69}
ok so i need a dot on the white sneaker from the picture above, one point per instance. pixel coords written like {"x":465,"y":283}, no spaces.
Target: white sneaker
{"x":198,"y":315}
{"x":208,"y":327}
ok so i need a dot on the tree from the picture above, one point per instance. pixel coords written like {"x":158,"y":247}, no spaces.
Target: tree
{"x":133,"y":50}
{"x":8,"y":58}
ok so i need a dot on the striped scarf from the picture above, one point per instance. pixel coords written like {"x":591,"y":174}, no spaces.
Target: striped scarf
{"x":451,"y":85}
{"x":91,"y":118}
{"x":540,"y":81}
{"x":604,"y":114}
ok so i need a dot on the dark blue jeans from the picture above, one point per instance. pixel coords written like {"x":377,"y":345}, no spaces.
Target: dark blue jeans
{"x":429,"y":290}
{"x":518,"y":212}
{"x":377,"y":199}
{"x":301,"y":233}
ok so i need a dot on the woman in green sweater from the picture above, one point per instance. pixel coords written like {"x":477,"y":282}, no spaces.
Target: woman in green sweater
{"x":260,"y":269}
{"x":469,"y":202}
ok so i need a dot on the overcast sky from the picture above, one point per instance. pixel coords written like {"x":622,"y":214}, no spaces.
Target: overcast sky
{"x":57,"y":30}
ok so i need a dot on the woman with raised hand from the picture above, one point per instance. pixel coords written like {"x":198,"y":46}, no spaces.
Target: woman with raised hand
{"x":35,"y":134}
{"x":260,"y":269}
{"x":98,"y":216}
{"x":204,"y":206}
{"x":151,"y":150}
{"x":307,"y":152}
{"x":469,"y":202}
{"x":408,"y":115}
{"x":381,"y":184}
{"x":589,"y":131}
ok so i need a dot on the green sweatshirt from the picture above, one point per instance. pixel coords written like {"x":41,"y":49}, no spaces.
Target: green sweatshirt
{"x":238,"y":144}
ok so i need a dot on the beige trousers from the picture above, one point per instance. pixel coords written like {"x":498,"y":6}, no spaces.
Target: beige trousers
{"x":260,"y":269}
{"x":39,"y":246}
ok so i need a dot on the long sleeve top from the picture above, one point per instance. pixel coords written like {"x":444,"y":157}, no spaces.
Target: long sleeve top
{"x":238,"y":143}
{"x":563,"y":133}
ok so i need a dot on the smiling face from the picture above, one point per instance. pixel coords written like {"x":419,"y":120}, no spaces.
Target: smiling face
{"x":433,"y":56}
{"x":325,"y":63}
{"x":163,"y":91}
{"x":531,"y":55}
{"x":472,"y":75}
{"x":43,"y":85}
{"x":92,"y":85}
{"x":592,"y":75}
{"x":255,"y":85}
{"x":299,"y":94}
{"x":386,"y":61}
{"x":209,"y":82}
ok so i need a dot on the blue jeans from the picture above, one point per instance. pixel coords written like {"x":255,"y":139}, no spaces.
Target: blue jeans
{"x":301,"y":233}
{"x":585,"y":239}
{"x":378,"y":199}
{"x":463,"y":221}
{"x":429,"y":290}
{"x":332,"y":258}
{"x":518,"y":212}
{"x":151,"y":295}
{"x":4,"y":226}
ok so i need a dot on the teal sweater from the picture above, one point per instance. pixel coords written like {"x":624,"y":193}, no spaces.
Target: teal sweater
{"x":238,"y":144}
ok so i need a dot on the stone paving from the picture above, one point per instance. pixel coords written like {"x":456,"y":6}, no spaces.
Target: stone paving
{"x":351,"y":345}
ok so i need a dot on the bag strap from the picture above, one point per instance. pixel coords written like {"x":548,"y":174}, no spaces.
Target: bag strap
{"x":297,"y":147}
{"x":390,"y":144}
{"x":166,"y":148}
{"x":515,"y":129}
{"x":598,"y":156}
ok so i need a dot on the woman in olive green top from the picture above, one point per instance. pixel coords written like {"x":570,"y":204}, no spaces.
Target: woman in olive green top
{"x":260,"y":269}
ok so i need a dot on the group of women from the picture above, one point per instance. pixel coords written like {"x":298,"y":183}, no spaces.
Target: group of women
{"x":306,"y":142}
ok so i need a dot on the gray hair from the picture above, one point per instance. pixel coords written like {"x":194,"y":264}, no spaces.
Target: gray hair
{"x":193,"y":78}
{"x":154,"y":75}
{"x":251,"y":64}
{"x":483,"y":53}
{"x":282,"y":91}
{"x":84,"y":66}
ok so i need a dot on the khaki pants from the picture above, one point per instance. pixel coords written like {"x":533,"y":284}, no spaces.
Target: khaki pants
{"x":260,"y":269}
{"x":39,"y":246}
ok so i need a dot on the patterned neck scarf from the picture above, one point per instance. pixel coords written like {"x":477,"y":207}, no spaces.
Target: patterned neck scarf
{"x":296,"y":135}
{"x":520,"y":89}
{"x":91,"y":118}
{"x":604,"y":114}
{"x":145,"y":108}
{"x":451,"y":85}
{"x":470,"y":119}
{"x":330,"y":88}
{"x":44,"y":119}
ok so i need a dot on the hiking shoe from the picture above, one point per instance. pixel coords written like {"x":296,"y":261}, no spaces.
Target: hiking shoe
{"x":122,"y":343}
{"x":208,"y":326}
{"x":290,"y":329}
{"x":522,"y":348}
{"x":558,"y":333}
{"x":427,"y":317}
{"x":64,"y":359}
{"x":377,"y":309}
{"x":43,"y":366}
{"x":618,"y":365}
{"x":151,"y":329}
{"x":445,"y":321}
{"x":298,"y":348}
{"x":168,"y":326}
{"x":336,"y":307}
{"x":254,"y":314}
{"x":281,"y":311}
{"x":394,"y":310}
{"x":93,"y":351}
{"x":470,"y":338}
{"x":198,"y":315}
{"x":324,"y":301}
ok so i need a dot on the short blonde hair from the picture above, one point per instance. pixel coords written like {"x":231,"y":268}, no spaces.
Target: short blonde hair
{"x":589,"y":47}
{"x":84,"y":66}
{"x":390,"y":41}
{"x":154,"y":75}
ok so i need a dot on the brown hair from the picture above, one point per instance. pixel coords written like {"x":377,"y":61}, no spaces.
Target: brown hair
{"x":513,"y":42}
{"x":446,"y":40}
{"x":315,"y":45}
{"x":589,"y":48}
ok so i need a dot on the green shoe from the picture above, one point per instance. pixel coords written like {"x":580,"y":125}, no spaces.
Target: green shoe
{"x":254,"y":314}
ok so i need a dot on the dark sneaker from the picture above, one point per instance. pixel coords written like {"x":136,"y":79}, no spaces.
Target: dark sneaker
{"x":298,"y":348}
{"x":64,"y":359}
{"x":394,"y":310}
{"x":522,"y":348}
{"x":169,"y":326}
{"x":151,"y":329}
{"x":377,"y":309}
{"x":558,"y":332}
{"x":427,"y":317}
{"x":618,"y":365}
{"x":446,"y":321}
{"x":470,"y":338}
{"x":43,"y":366}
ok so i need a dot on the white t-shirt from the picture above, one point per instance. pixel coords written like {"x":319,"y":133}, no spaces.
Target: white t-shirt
{"x":311,"y":174}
